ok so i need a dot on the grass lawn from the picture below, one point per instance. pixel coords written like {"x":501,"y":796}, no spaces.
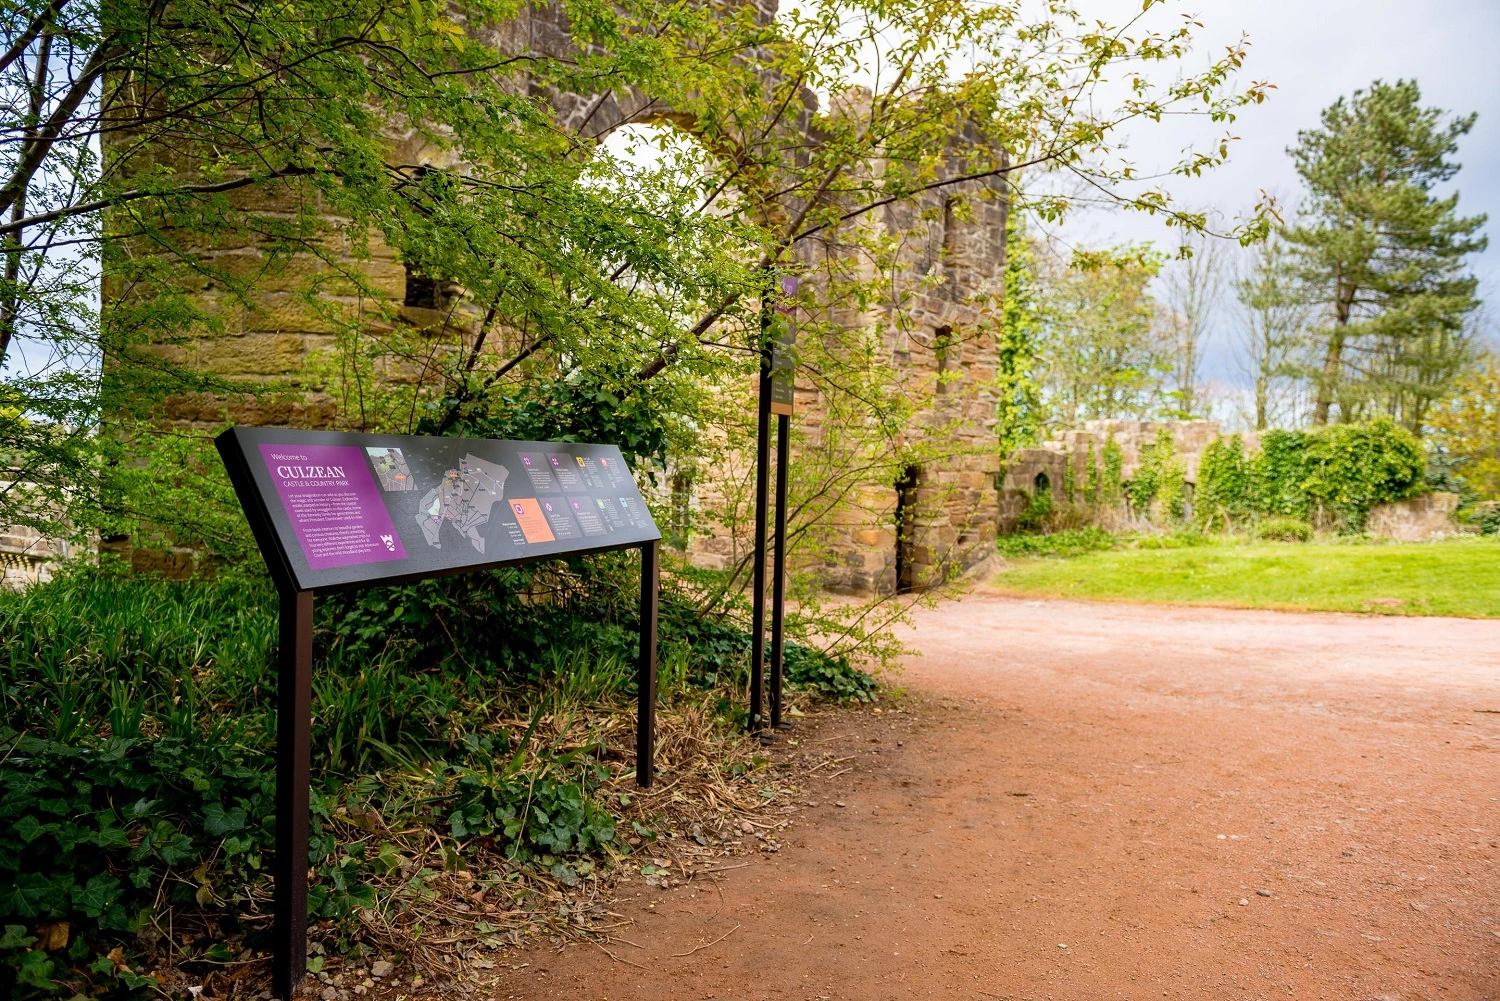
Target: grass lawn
{"x":1451,"y":577}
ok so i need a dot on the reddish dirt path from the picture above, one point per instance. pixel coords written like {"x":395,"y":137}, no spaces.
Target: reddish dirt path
{"x":1087,"y":802}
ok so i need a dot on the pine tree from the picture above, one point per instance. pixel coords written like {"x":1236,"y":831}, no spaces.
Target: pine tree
{"x":1383,"y":253}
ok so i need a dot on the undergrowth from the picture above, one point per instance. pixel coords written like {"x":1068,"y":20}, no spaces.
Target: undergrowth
{"x":1072,"y":542}
{"x":481,"y":714}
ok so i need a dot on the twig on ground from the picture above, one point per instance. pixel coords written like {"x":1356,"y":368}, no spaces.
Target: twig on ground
{"x":617,"y":959}
{"x":705,"y":945}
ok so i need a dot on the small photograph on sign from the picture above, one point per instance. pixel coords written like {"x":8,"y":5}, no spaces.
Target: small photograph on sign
{"x":533,"y":522}
{"x":561,"y":521}
{"x":390,"y":466}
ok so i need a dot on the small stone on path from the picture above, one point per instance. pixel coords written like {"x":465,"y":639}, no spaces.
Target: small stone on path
{"x":381,"y":968}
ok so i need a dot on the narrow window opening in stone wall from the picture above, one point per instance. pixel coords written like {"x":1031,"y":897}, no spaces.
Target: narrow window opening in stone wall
{"x":1042,"y":485}
{"x":906,"y":529}
{"x":421,"y":291}
{"x":950,"y":233}
{"x":948,"y":352}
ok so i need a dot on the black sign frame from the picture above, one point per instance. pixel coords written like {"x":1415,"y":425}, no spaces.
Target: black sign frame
{"x":296,"y":581}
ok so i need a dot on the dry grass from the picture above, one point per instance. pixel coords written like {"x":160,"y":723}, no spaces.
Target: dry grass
{"x":449,"y":916}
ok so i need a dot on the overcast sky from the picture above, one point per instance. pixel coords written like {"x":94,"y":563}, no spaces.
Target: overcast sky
{"x":1314,"y":51}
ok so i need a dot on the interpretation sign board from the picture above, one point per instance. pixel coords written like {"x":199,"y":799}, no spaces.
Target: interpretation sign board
{"x":342,"y":510}
{"x":332,"y":511}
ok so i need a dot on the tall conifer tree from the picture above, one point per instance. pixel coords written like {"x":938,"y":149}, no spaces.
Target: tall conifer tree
{"x":1382,"y":252}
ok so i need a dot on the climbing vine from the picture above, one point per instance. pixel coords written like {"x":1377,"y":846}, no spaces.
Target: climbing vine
{"x":1114,"y":463}
{"x":1161,"y":477}
{"x":1340,"y":471}
{"x":1223,"y":488}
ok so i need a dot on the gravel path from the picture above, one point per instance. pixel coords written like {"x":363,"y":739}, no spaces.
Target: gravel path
{"x":1116,"y":801}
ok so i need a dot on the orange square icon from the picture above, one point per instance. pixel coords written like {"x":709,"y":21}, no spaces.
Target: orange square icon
{"x":533,"y":523}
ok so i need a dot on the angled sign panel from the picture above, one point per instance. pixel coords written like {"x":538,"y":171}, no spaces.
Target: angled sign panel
{"x":336,"y":510}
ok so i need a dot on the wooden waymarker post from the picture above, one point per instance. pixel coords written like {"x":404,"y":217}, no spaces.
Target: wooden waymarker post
{"x":333,"y":511}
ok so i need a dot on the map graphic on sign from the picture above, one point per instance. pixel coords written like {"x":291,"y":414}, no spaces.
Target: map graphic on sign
{"x":464,"y":497}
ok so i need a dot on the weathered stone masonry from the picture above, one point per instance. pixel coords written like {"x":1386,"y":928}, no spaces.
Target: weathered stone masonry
{"x":948,"y":506}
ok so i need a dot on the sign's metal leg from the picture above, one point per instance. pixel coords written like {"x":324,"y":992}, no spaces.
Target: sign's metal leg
{"x":778,"y":573}
{"x":758,"y":575}
{"x":645,"y":671}
{"x":293,"y":760}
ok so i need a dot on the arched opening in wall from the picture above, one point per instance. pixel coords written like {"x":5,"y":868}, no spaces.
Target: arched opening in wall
{"x":906,"y":529}
{"x":1041,"y":485}
{"x":659,"y":156}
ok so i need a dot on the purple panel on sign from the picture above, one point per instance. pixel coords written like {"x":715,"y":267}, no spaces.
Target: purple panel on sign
{"x":333,"y":504}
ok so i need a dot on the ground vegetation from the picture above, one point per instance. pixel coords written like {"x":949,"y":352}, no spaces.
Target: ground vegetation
{"x":139,"y":810}
{"x":1455,"y":576}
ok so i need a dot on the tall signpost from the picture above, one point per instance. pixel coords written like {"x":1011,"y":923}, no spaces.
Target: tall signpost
{"x":777,"y":385}
{"x":756,"y":723}
{"x":783,"y":397}
{"x":335,"y":511}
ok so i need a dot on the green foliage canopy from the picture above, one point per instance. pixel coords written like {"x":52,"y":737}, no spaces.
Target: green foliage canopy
{"x":1382,"y":253}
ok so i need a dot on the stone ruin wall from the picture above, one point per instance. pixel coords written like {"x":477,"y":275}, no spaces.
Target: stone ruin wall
{"x":1073,"y":447}
{"x":950,"y":505}
{"x":1412,"y":520}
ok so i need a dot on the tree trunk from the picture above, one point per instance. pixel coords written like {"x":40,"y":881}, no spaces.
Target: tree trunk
{"x":1328,"y":382}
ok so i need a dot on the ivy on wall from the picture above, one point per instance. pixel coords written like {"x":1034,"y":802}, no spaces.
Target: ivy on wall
{"x":1342,"y":470}
{"x":1161,"y":477}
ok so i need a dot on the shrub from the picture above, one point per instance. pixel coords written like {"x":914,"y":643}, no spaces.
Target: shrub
{"x":1281,"y":528}
{"x":1344,"y":470}
{"x":1489,"y":521}
{"x":1352,"y":467}
{"x":1113,"y":458}
{"x":1036,"y":512}
{"x":1223,"y":488}
{"x":1277,"y":473}
{"x":1160,"y":477}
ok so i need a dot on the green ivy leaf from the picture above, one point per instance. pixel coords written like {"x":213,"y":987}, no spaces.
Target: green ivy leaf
{"x":96,"y":896}
{"x":218,"y":822}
